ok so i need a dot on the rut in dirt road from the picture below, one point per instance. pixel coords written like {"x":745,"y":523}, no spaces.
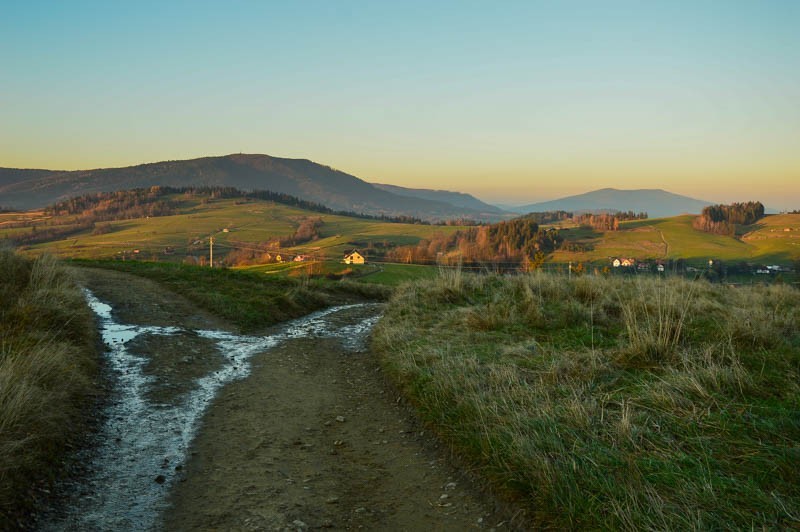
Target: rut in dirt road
{"x":164,"y":380}
{"x":204,"y":429}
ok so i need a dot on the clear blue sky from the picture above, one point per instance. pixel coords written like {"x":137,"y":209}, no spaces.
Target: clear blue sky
{"x":512,"y":101}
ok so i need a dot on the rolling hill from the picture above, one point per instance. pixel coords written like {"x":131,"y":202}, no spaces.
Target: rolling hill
{"x":27,"y":189}
{"x":656,"y":202}
{"x":233,"y":222}
{"x":773,"y":239}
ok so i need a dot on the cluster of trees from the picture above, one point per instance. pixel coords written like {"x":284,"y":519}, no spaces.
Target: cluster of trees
{"x":120,"y":205}
{"x":48,"y":233}
{"x":250,"y":254}
{"x":142,"y":202}
{"x":518,"y":241}
{"x":607,"y":221}
{"x":307,"y":231}
{"x":602,"y":221}
{"x":549,"y":217}
{"x":722,"y":219}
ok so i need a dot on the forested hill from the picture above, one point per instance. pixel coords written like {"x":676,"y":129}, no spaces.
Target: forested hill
{"x":25,"y":189}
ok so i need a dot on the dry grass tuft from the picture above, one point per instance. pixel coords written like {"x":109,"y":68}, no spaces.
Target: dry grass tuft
{"x":610,"y":403}
{"x":47,"y":366}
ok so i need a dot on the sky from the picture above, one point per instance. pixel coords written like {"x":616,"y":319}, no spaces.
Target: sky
{"x":511,"y":101}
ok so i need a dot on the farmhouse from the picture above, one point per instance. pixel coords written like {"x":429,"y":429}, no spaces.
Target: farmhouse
{"x":354,"y":257}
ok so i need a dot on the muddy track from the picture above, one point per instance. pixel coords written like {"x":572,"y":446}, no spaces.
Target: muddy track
{"x":311,"y":438}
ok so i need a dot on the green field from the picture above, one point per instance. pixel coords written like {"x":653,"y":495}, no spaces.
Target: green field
{"x":674,"y":238}
{"x":251,"y":224}
{"x":247,"y":224}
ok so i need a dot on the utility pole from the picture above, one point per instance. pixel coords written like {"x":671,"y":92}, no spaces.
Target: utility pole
{"x":211,"y":251}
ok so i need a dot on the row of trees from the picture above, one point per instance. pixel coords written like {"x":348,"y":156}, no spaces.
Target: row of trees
{"x":722,"y":219}
{"x":512,"y":242}
{"x":119,"y":205}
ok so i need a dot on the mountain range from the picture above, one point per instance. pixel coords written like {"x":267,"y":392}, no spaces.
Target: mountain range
{"x":28,"y":189}
{"x":656,"y":203}
{"x":305,"y":179}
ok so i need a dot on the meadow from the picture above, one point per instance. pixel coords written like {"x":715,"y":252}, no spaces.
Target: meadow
{"x":766,"y":241}
{"x":250,"y":224}
{"x":48,"y":371}
{"x":232,"y":222}
{"x":609,"y":402}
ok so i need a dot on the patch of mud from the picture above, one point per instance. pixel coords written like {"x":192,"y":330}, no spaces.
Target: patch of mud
{"x":175,"y":362}
{"x":164,"y":379}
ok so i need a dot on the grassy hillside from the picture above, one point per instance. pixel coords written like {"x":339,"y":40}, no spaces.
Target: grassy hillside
{"x":187,"y":233}
{"x":673,"y":238}
{"x":610,"y":403}
{"x":248,"y":224}
{"x":47,"y":369}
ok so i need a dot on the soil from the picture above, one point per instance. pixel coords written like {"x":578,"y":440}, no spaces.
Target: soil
{"x":313,"y":438}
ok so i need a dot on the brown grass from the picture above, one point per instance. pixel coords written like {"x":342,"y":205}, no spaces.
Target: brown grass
{"x":47,"y":367}
{"x":610,"y":403}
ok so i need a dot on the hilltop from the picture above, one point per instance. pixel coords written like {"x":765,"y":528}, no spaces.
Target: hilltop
{"x":656,"y":202}
{"x":305,"y":179}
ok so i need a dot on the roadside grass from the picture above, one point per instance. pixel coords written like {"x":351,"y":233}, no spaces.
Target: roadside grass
{"x":383,"y":273}
{"x":247,"y":299}
{"x":610,"y":403}
{"x":48,"y":365}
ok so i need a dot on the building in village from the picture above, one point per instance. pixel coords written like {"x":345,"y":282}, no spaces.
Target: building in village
{"x":354,"y":257}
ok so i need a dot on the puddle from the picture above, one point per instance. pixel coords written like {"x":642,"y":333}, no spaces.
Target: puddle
{"x":144,"y":440}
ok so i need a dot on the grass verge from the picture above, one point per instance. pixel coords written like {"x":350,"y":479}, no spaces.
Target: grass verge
{"x":610,"y":403}
{"x":48,"y":364}
{"x":247,"y":299}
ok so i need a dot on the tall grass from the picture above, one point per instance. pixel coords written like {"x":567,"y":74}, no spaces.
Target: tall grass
{"x":611,"y":403}
{"x":47,"y":367}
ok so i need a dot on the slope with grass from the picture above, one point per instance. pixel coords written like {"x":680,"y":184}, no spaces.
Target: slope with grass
{"x":232,"y":222}
{"x":604,"y":403}
{"x":674,"y":238}
{"x":48,"y":364}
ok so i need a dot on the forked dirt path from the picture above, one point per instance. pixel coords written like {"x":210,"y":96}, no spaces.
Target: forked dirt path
{"x":313,"y":438}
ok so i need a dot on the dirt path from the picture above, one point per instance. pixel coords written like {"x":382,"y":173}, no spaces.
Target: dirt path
{"x":312,"y":438}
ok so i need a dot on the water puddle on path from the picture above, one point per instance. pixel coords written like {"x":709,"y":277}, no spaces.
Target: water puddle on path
{"x":144,"y":441}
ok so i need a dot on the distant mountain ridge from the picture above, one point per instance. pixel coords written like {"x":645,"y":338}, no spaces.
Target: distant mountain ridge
{"x":305,"y":179}
{"x":656,"y":203}
{"x":459,"y":199}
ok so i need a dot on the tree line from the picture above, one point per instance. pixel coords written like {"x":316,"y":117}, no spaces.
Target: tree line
{"x":141,"y":202}
{"x":518,"y":241}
